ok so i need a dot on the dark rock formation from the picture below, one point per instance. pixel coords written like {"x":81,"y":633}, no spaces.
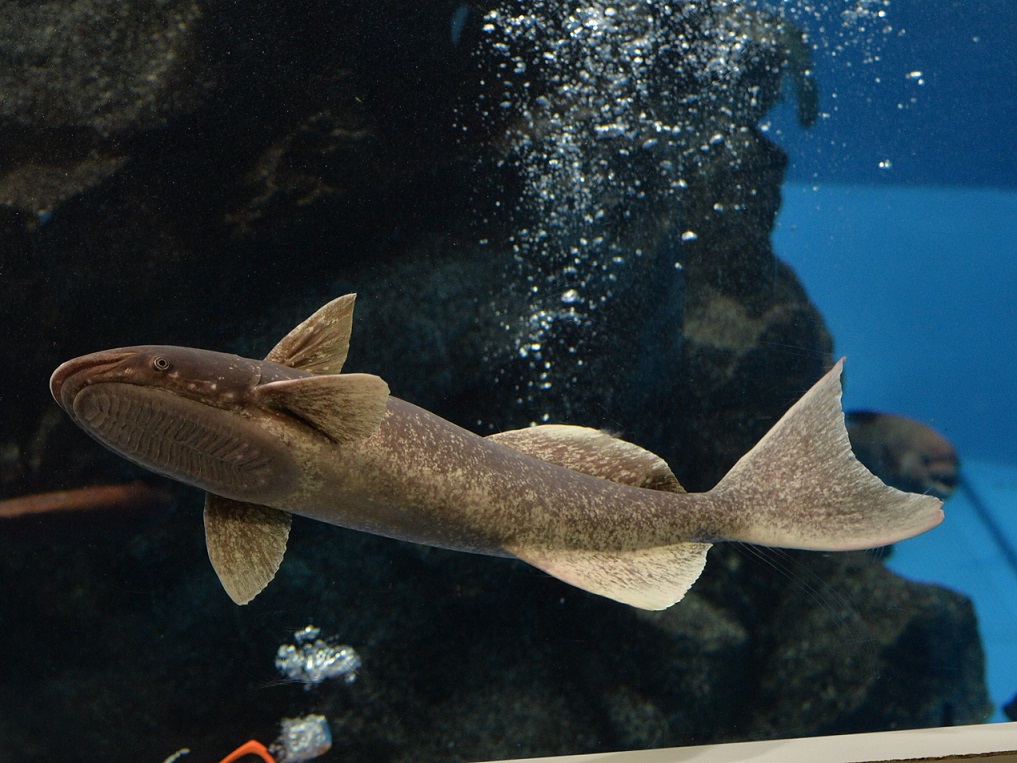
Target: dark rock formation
{"x":208,"y":174}
{"x":81,"y":80}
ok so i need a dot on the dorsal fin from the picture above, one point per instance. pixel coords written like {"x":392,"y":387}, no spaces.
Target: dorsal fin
{"x":319,"y":345}
{"x":246,"y":543}
{"x":593,"y":452}
{"x":344,"y":407}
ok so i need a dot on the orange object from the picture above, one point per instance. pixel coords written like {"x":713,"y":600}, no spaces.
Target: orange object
{"x":249,"y":748}
{"x":132,"y":496}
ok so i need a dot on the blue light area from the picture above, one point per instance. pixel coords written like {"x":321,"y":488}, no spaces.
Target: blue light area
{"x":919,"y":289}
{"x":932,"y":96}
{"x":964,"y":554}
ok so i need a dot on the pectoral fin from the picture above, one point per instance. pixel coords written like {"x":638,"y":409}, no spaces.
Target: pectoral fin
{"x":648,"y":578}
{"x":319,"y":344}
{"x":344,"y":408}
{"x":246,"y":543}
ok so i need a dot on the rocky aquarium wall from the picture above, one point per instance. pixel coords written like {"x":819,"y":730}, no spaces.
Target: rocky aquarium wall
{"x":551,"y":212}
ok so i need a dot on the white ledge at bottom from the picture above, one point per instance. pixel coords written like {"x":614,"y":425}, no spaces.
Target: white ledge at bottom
{"x":955,"y":744}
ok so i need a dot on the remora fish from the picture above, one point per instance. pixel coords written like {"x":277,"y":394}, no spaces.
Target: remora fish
{"x":291,"y":435}
{"x":904,"y":453}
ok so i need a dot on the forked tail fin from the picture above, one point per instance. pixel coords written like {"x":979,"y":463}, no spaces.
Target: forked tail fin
{"x":802,"y":487}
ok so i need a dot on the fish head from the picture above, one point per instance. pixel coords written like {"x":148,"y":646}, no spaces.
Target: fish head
{"x":213,"y":378}
{"x":932,"y":466}
{"x":183,"y":413}
{"x":904,"y":452}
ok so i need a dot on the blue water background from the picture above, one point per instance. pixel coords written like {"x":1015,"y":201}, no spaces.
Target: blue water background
{"x":919,"y":289}
{"x":900,"y":217}
{"x":954,"y":125}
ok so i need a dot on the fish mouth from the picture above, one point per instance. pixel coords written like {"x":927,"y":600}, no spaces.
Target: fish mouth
{"x":71,"y":377}
{"x":943,"y":485}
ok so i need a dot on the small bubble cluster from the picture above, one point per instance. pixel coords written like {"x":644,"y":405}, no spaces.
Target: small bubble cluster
{"x":839,"y":27}
{"x":302,"y":739}
{"x":312,"y":659}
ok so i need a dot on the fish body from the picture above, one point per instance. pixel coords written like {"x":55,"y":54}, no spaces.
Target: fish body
{"x":292,"y":435}
{"x":904,"y":453}
{"x":418,"y":477}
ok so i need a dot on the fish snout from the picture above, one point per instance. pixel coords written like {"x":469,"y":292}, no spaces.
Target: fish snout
{"x":70,"y":377}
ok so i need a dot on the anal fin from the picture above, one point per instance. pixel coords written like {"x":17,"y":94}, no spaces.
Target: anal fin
{"x":246,"y":544}
{"x":648,"y":578}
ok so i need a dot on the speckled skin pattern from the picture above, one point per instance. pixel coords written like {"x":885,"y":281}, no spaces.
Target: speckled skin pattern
{"x":418,"y":478}
{"x":421,"y":478}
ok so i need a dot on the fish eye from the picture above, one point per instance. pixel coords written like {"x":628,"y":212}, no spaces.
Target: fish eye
{"x":160,"y":363}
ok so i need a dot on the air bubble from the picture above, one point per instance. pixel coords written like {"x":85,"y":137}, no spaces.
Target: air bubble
{"x":621,"y":103}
